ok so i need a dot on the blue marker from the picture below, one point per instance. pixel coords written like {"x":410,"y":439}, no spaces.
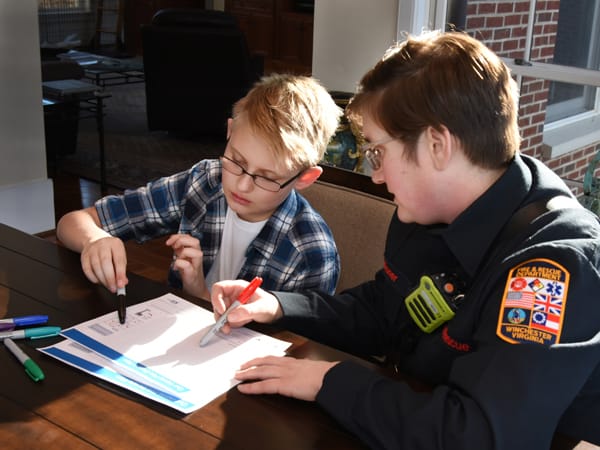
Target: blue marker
{"x":31,"y":333}
{"x":9,"y":324}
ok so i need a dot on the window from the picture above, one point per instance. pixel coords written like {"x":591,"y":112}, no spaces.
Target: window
{"x":577,"y":45}
{"x":66,"y":23}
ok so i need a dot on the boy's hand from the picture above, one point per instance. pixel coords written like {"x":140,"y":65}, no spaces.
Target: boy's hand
{"x":187,"y":259}
{"x":262,"y":307}
{"x":104,"y":261}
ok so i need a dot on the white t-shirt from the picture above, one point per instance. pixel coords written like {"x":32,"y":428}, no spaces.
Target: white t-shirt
{"x":237,"y":236}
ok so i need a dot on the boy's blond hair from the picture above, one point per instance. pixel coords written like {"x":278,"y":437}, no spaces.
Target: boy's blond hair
{"x":294,"y":114}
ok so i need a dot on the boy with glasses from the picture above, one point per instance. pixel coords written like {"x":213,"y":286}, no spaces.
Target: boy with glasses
{"x":236,"y":217}
{"x":490,"y":287}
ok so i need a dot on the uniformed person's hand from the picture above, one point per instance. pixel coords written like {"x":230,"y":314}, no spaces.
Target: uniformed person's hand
{"x":298,"y":378}
{"x":262,"y":306}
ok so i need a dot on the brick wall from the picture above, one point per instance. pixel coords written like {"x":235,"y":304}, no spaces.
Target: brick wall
{"x":502,"y":26}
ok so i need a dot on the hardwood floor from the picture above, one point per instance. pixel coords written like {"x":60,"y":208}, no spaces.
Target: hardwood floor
{"x":150,"y":260}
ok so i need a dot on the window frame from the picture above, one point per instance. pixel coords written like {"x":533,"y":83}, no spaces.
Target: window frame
{"x":79,"y":6}
{"x":589,"y":98}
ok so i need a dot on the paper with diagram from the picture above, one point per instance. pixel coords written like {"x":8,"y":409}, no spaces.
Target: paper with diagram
{"x":156,"y":353}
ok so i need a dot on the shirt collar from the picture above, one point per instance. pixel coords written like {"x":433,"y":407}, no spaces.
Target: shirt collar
{"x":473,"y":232}
{"x":276,"y":227}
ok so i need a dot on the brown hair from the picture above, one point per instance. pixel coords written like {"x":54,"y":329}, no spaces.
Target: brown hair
{"x":450,"y":80}
{"x":294,"y":114}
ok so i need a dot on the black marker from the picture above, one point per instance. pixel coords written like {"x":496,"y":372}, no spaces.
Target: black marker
{"x":121,"y":308}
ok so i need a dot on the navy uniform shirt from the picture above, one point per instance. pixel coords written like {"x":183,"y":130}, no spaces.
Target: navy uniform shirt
{"x":520,"y":358}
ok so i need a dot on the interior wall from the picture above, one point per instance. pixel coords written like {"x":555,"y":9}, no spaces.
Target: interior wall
{"x":350,"y":36}
{"x":26,"y":194}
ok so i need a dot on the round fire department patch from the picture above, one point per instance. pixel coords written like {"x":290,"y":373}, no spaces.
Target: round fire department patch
{"x":533,"y":303}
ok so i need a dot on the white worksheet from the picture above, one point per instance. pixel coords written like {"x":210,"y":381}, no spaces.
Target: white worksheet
{"x":156,"y":353}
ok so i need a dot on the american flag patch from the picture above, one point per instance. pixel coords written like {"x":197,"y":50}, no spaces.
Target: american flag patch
{"x":533,"y":303}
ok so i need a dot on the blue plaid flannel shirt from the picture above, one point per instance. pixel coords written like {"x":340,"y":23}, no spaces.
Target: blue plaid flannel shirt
{"x":294,"y":251}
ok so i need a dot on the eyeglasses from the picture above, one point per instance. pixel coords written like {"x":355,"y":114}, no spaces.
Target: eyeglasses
{"x":265,"y":183}
{"x":373,"y":154}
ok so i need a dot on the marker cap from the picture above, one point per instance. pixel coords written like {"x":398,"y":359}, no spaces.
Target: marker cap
{"x":33,"y":370}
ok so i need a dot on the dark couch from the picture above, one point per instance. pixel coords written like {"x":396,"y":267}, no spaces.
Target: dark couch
{"x":196,"y":65}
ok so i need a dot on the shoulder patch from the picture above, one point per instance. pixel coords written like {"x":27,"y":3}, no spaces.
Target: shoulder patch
{"x":533,"y":302}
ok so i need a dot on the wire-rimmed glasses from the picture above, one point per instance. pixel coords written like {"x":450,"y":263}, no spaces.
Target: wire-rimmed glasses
{"x":265,"y":183}
{"x":373,"y":154}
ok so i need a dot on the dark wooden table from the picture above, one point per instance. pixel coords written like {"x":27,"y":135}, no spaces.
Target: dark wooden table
{"x":70,"y":409}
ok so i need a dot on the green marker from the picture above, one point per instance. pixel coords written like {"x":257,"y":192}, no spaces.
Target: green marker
{"x":32,"y":369}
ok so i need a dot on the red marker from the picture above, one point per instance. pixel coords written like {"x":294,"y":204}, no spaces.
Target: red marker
{"x":242,"y":298}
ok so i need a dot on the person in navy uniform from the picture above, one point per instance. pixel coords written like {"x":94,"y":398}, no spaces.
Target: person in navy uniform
{"x":483,"y":233}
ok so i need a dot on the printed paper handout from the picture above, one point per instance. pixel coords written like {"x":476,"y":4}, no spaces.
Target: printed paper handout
{"x":156,"y":353}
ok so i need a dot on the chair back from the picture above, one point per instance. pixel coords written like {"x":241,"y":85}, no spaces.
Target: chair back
{"x":359,"y":222}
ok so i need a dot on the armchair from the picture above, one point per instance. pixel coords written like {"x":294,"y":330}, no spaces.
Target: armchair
{"x":196,"y":65}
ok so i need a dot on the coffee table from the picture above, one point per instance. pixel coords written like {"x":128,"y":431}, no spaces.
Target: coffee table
{"x":107,"y":71}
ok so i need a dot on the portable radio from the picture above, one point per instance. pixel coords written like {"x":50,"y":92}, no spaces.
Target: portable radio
{"x":434,"y":301}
